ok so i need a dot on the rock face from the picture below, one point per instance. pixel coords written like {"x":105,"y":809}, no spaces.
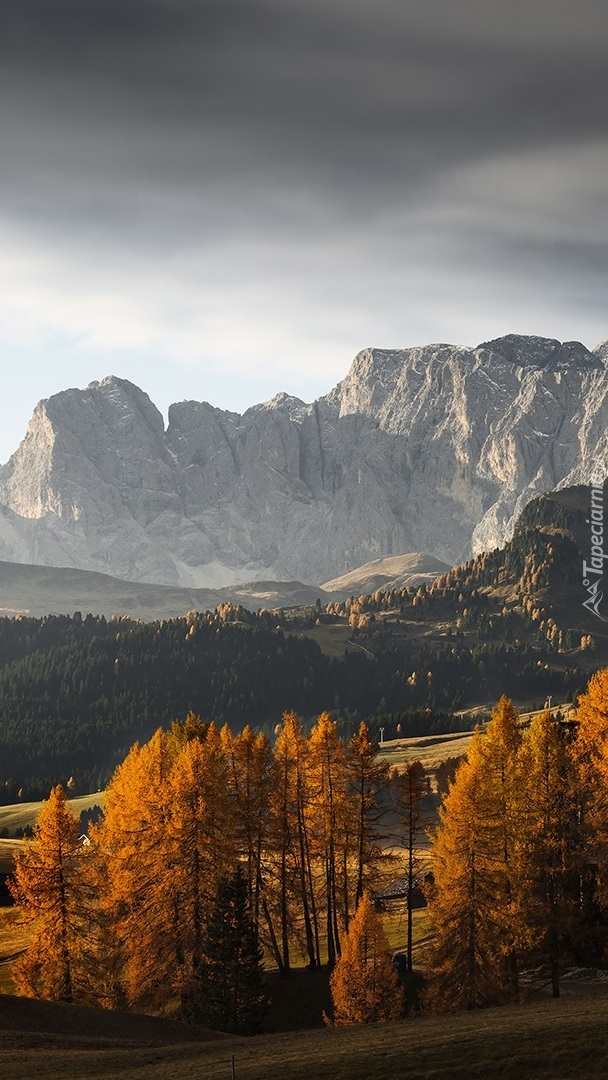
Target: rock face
{"x":433,"y":449}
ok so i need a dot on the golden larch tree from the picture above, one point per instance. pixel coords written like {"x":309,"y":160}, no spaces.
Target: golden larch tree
{"x":48,"y":885}
{"x":327,"y":810}
{"x":548,"y":849}
{"x":590,"y":751}
{"x":132,"y":850}
{"x":466,"y":955}
{"x":363,"y":983}
{"x":409,"y":789}
{"x":292,"y":830}
{"x":494,"y":757}
{"x":198,"y":844}
{"x":368,"y":779}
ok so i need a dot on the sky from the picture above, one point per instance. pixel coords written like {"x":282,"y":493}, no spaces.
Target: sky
{"x":222,"y":199}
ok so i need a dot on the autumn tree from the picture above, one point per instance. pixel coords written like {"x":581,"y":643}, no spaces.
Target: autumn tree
{"x":494,"y":757}
{"x":474,"y":907}
{"x":548,"y":851}
{"x":328,"y":785}
{"x":364,"y":982}
{"x":48,"y":885}
{"x":251,"y":775}
{"x":199,"y":843}
{"x":410,"y":787}
{"x":590,"y":752}
{"x":466,"y":960}
{"x":368,"y":781}
{"x":166,"y":837}
{"x":230,"y":990}
{"x":140,"y":902}
{"x":293,"y":828}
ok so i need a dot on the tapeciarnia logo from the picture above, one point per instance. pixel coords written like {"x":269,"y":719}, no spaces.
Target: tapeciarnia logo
{"x":593,"y":571}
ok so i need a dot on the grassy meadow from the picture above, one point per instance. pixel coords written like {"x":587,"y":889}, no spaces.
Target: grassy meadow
{"x":19,"y":815}
{"x":544,"y":1040}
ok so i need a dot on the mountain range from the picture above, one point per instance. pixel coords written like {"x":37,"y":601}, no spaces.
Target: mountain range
{"x":432,"y":449}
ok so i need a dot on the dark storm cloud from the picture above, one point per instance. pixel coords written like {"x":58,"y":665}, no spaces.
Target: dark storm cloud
{"x":360,"y":98}
{"x":359,"y":151}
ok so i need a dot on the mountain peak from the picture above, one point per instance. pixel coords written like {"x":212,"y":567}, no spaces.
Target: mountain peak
{"x":530,"y":351}
{"x":601,"y":350}
{"x":525,"y":350}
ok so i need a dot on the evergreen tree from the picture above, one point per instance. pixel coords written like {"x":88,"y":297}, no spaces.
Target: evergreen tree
{"x":229,"y":991}
{"x":363,"y":983}
{"x":48,"y":886}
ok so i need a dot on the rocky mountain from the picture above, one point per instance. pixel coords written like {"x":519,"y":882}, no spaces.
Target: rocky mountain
{"x":436,"y":449}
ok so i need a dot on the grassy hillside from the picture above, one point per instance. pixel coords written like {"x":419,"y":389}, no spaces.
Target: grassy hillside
{"x":542,"y":1041}
{"x":395,"y":572}
{"x":42,"y":590}
{"x":20,"y":815}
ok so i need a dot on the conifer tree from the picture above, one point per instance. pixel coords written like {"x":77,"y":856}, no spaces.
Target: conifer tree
{"x":590,"y":752}
{"x":475,"y":908}
{"x":327,"y":809}
{"x":230,"y":987}
{"x":499,"y":793}
{"x":364,"y":982}
{"x":198,"y":845}
{"x":48,"y":886}
{"x":410,"y":787}
{"x":252,"y":777}
{"x":368,"y":780}
{"x":466,"y":954}
{"x":548,"y":849}
{"x":166,"y":838}
{"x":293,"y":762}
{"x":141,"y":900}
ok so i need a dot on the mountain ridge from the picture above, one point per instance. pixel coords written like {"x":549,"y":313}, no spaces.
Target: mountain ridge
{"x":435,"y":448}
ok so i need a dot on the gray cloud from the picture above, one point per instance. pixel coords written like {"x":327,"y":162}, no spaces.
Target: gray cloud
{"x":263,"y":181}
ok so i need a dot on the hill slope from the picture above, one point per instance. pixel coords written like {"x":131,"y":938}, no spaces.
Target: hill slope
{"x":545,"y":1041}
{"x":396,"y":572}
{"x":44,"y":590}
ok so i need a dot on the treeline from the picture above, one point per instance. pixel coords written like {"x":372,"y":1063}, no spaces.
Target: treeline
{"x":76,"y":693}
{"x":125,"y":919}
{"x":521,"y":857}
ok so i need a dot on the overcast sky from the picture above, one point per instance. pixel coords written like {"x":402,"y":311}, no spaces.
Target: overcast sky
{"x":220,"y":200}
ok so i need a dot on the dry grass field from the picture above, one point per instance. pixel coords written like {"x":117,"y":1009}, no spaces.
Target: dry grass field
{"x":542,"y":1041}
{"x":431,"y":750}
{"x":18,"y":815}
{"x":332,"y":638}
